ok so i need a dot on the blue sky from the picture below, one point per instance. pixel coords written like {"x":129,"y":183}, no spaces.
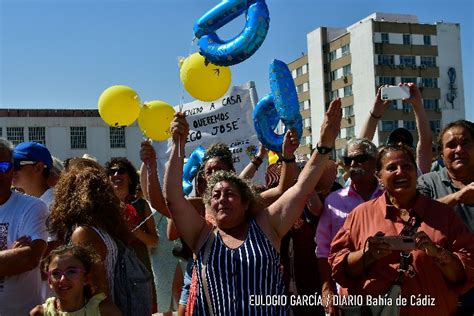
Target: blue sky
{"x":64,"y":53}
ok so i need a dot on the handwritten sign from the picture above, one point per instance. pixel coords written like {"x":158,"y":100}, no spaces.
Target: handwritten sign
{"x":227,"y":120}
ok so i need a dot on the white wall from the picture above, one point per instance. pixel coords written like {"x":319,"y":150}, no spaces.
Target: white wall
{"x":449,"y":55}
{"x":316,"y":81}
{"x":363,"y":72}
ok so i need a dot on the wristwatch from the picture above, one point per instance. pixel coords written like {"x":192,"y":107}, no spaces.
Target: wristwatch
{"x":323,"y":150}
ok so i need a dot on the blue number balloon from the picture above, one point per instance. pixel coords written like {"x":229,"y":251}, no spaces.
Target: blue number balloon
{"x":191,"y":168}
{"x":281,"y":104}
{"x":241,"y":47}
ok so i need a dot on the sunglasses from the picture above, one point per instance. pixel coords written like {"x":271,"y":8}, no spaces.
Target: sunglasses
{"x":118,"y":170}
{"x":18,"y":164}
{"x":5,"y":166}
{"x":358,"y":159}
{"x":72,"y":273}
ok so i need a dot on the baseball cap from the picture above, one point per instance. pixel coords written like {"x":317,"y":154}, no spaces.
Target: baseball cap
{"x":400,"y":135}
{"x":33,"y":151}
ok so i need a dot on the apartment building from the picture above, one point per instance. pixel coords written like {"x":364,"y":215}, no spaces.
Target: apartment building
{"x":382,"y":48}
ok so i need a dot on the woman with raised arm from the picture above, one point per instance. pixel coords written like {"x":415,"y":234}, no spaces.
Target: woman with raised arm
{"x":238,"y":259}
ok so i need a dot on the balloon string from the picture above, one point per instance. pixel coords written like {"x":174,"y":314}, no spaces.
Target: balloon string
{"x":181,"y":99}
{"x":153,"y":212}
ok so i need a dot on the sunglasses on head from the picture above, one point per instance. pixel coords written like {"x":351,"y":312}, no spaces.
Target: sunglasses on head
{"x":118,"y":170}
{"x":359,"y":159}
{"x":72,"y":273}
{"x":18,"y":164}
{"x":5,"y":166}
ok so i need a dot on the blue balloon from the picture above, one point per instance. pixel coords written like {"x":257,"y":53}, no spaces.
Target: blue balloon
{"x":281,"y":104}
{"x":191,"y":167}
{"x":241,"y":47}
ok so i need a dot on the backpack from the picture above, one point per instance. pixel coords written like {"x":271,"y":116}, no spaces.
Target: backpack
{"x":132,"y":283}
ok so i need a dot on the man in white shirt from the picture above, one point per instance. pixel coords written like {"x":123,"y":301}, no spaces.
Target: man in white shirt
{"x":22,"y":242}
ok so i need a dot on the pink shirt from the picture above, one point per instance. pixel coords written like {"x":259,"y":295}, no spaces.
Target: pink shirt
{"x":337,"y":207}
{"x":439,"y":222}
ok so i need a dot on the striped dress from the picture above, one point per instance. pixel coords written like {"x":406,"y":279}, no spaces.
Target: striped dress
{"x":234,"y":275}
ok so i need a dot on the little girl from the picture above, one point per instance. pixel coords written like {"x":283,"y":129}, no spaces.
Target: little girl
{"x":68,"y":269}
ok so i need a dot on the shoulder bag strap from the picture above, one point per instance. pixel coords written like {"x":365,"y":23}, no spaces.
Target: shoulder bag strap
{"x":205,"y":258}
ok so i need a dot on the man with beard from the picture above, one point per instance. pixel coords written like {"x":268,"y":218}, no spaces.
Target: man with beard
{"x":454,"y":184}
{"x":361,"y":154}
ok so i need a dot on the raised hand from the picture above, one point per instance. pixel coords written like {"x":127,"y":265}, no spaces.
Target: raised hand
{"x":148,"y":154}
{"x":380,"y":105}
{"x":331,"y":124}
{"x":290,"y":143}
{"x":415,"y":95}
{"x":179,"y":128}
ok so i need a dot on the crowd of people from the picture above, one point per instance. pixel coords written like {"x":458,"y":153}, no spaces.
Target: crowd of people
{"x":392,"y":237}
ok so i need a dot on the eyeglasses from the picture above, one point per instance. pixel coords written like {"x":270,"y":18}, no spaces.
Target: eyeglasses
{"x":119,"y":170}
{"x":18,"y":164}
{"x":359,"y":159}
{"x":72,"y":273}
{"x":5,"y":166}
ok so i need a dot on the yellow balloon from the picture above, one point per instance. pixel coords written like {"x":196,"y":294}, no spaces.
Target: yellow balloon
{"x":204,"y":81}
{"x":119,"y":106}
{"x":155,"y":118}
{"x":272,"y":158}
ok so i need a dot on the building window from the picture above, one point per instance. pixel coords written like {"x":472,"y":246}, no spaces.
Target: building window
{"x":345,"y":49}
{"x":431,"y":104}
{"x":348,"y":90}
{"x":303,"y":141}
{"x":15,"y":135}
{"x":333,"y":94}
{"x":386,"y":59}
{"x":386,"y":80}
{"x":407,"y":60}
{"x":394,"y":105}
{"x":429,"y":61}
{"x":429,"y":82}
{"x":301,"y":106}
{"x":37,"y":134}
{"x":299,"y":88}
{"x":332,"y":55}
{"x":348,"y":111}
{"x":385,"y":38}
{"x":350,"y":131}
{"x":435,"y":126}
{"x":117,"y":137}
{"x":333,"y":75}
{"x":307,"y":122}
{"x":406,"y":39}
{"x":388,"y":126}
{"x":408,"y":80}
{"x":307,"y":104}
{"x":299,"y":71}
{"x":426,"y":39}
{"x":78,"y":137}
{"x":346,"y":70}
{"x":409,"y":125}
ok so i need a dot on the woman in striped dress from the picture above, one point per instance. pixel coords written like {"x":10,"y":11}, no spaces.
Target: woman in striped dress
{"x":238,"y":260}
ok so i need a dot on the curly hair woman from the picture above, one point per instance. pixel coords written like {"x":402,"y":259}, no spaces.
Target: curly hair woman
{"x":87,"y":211}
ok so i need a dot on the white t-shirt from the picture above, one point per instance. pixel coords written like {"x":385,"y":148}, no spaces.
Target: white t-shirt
{"x":21,"y":215}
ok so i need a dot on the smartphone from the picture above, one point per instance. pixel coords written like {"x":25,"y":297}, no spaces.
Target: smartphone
{"x":399,"y":242}
{"x":395,"y":93}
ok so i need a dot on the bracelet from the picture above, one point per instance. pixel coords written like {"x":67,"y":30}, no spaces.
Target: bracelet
{"x":375,"y":116}
{"x":288,"y":160}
